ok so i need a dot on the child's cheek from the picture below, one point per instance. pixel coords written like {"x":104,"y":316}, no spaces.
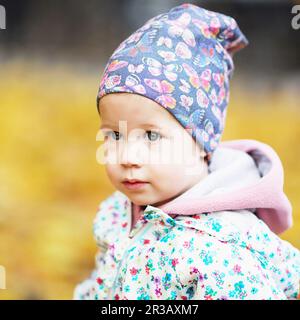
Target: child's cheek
{"x":112,"y":174}
{"x":163,"y":152}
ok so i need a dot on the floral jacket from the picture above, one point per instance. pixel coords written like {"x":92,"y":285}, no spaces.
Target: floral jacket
{"x":218,"y":240}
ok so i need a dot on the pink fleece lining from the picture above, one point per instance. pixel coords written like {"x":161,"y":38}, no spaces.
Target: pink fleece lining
{"x":266,"y":195}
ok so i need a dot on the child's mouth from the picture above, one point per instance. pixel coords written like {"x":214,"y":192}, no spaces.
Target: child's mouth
{"x":134,"y":185}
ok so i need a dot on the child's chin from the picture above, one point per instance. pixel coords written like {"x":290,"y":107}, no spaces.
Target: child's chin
{"x":138,"y":199}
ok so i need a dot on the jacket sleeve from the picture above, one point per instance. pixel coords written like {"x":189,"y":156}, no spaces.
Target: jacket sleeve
{"x":286,"y":267}
{"x":85,"y":290}
{"x":292,"y":289}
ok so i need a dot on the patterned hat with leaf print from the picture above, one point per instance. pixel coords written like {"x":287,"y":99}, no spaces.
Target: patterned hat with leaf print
{"x":182,"y":60}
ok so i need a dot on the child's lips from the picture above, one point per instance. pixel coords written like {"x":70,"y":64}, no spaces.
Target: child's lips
{"x":134,"y":184}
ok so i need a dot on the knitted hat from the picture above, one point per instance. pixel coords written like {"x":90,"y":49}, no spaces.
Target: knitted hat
{"x":182,"y":60}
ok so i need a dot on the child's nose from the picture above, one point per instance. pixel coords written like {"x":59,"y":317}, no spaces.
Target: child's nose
{"x":132,"y":153}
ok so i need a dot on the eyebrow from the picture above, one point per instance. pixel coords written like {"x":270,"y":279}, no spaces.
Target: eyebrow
{"x":148,"y":125}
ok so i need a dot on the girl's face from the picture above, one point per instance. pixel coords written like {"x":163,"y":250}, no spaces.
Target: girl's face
{"x":143,"y":141}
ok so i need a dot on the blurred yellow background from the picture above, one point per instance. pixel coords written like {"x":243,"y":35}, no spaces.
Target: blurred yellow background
{"x":51,"y":184}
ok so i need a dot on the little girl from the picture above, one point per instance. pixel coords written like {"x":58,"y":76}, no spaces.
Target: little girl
{"x":192,"y":218}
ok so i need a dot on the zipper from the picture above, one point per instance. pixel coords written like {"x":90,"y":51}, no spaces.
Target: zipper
{"x":135,"y":239}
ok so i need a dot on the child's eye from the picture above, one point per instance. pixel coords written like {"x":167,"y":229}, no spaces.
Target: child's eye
{"x":114,"y":134}
{"x":153,"y":136}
